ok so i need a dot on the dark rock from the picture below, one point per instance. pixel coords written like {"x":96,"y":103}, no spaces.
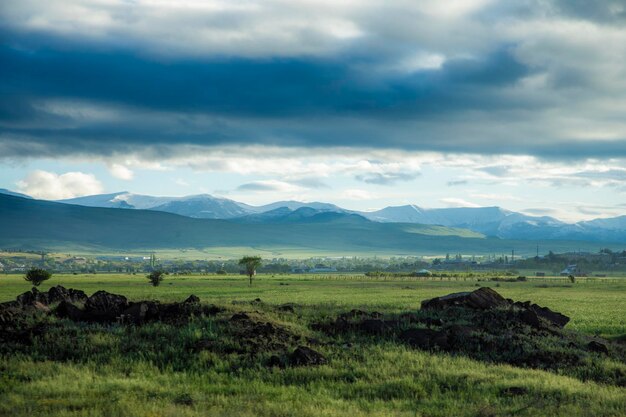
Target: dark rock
{"x":305,"y":356}
{"x":531,"y":318}
{"x":192,"y":299}
{"x":69,"y":311}
{"x":458,"y":333}
{"x":410,"y":317}
{"x":104,"y":306}
{"x":598,"y":347}
{"x":275,"y":361}
{"x":555,"y":318}
{"x":513,"y":391}
{"x":59,"y":293}
{"x":136,"y":313}
{"x":425,"y":338}
{"x":40,"y":307}
{"x":211,"y":310}
{"x":483,"y":298}
{"x":373,"y":326}
{"x":289,"y":307}
{"x":354,"y":313}
{"x":30,"y":297}
{"x":240,"y":316}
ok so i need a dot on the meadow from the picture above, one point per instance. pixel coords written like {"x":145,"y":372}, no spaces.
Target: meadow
{"x":94,"y":370}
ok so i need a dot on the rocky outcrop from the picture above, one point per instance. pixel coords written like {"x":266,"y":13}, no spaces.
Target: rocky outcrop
{"x":305,"y":356}
{"x":482,"y":299}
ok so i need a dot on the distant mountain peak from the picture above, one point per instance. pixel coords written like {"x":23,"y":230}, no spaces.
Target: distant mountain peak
{"x":13,"y":193}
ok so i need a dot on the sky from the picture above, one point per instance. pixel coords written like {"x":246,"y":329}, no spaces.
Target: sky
{"x":518,"y":103}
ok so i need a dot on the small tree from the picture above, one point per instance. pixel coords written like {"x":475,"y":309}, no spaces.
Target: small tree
{"x":251,"y":263}
{"x":572,"y":279}
{"x":37,"y":275}
{"x":155,"y":278}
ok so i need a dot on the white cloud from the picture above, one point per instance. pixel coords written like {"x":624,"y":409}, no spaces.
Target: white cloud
{"x":269,"y":185}
{"x":120,"y":171}
{"x":357,"y":194}
{"x":51,"y":186}
{"x":457,"y":202}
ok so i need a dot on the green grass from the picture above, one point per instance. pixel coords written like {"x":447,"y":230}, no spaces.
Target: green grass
{"x":90,"y":370}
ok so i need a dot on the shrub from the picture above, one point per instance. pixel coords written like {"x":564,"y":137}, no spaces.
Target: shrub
{"x":155,"y":278}
{"x":37,"y":275}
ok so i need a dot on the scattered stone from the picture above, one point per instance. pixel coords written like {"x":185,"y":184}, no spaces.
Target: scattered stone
{"x":239,"y":316}
{"x":275,"y":362}
{"x":289,"y":307}
{"x":598,"y":347}
{"x":373,"y":326}
{"x":305,"y":356}
{"x":513,"y":391}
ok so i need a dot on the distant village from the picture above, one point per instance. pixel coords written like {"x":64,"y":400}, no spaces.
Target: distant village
{"x":565,"y":264}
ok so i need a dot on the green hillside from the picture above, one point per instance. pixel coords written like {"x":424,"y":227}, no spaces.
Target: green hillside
{"x":35,"y":224}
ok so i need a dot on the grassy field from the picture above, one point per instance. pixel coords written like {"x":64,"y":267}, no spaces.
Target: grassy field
{"x":91,"y":370}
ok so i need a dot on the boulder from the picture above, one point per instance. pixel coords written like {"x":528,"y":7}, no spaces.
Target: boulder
{"x":59,"y":293}
{"x":192,"y":299}
{"x":30,"y":297}
{"x":136,"y":313}
{"x":483,"y":298}
{"x":104,"y":306}
{"x":553,"y":317}
{"x":305,"y":356}
{"x":69,"y":311}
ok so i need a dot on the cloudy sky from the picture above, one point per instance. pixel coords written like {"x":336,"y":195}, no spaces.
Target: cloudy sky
{"x":517,"y":103}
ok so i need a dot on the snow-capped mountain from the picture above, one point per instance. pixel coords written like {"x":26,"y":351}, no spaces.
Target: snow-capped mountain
{"x":489,"y":221}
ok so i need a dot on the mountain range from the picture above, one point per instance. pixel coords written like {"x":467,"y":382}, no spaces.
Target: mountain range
{"x":29,"y":224}
{"x":488,"y":221}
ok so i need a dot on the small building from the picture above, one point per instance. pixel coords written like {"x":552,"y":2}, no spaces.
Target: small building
{"x":423,"y":273}
{"x":571,"y":270}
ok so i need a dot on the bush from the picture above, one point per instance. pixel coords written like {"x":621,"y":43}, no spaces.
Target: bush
{"x":155,"y":278}
{"x":37,"y":275}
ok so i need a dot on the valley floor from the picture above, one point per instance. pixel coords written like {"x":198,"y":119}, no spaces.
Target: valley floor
{"x":78,"y":369}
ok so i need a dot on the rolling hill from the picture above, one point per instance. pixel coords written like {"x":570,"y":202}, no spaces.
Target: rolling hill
{"x":489,"y":221}
{"x":36,"y":224}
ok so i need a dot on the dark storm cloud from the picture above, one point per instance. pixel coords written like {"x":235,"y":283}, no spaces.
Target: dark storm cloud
{"x":268,"y":101}
{"x":250,"y":87}
{"x":400,"y":86}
